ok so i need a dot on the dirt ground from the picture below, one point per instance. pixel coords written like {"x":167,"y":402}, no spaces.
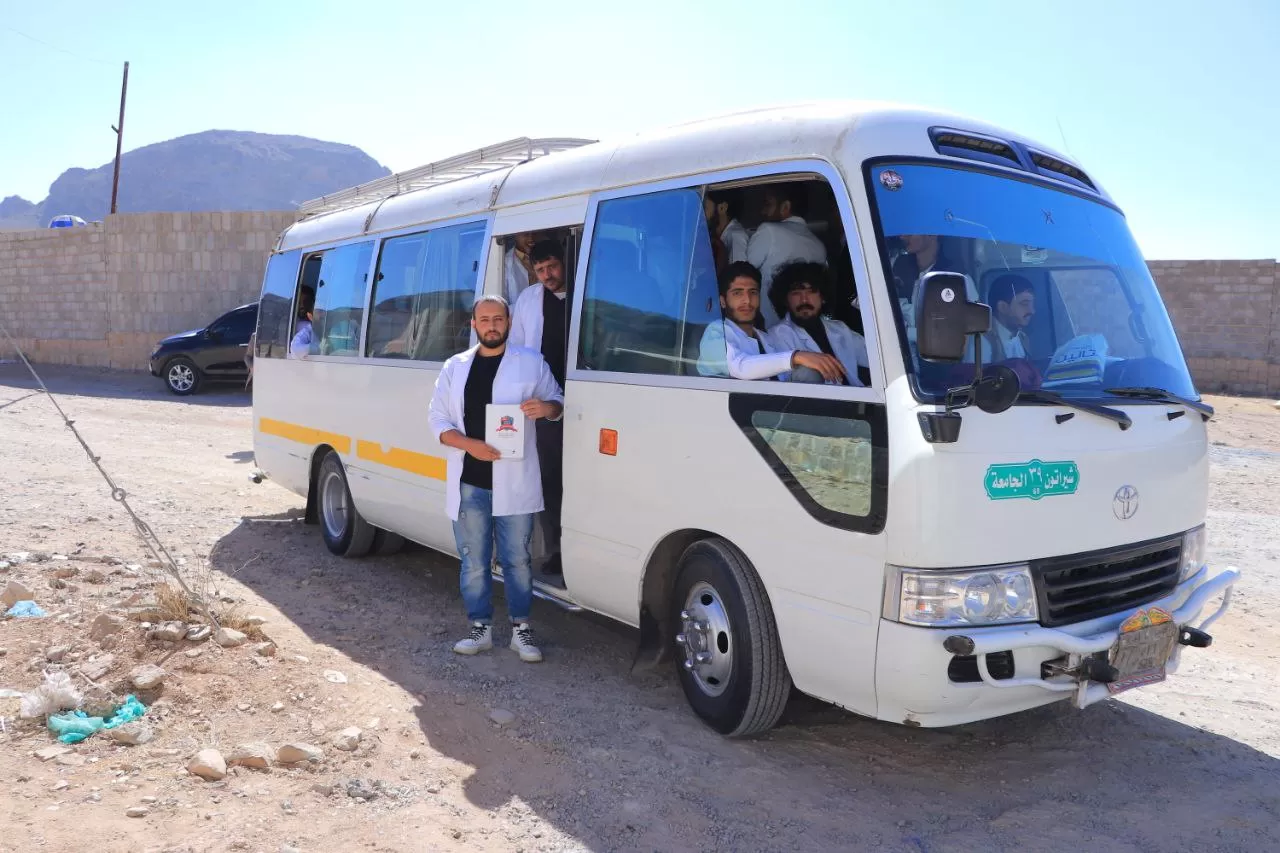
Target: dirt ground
{"x":596,"y":758}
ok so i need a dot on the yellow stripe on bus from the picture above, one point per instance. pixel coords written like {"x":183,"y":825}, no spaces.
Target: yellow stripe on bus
{"x":304,"y":435}
{"x":406,"y":460}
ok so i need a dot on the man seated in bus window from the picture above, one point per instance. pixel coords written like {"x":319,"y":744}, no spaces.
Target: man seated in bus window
{"x":783,"y":236}
{"x":517,"y":267}
{"x":728,"y":237}
{"x":300,"y":346}
{"x":739,"y":346}
{"x":801,"y":292}
{"x":1013,"y":303}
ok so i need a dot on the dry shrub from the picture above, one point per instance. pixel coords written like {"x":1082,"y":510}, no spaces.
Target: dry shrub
{"x":234,"y":616}
{"x":173,"y":602}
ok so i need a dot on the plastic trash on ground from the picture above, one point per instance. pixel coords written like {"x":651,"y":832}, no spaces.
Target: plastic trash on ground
{"x":75,"y":726}
{"x":25,"y":610}
{"x":57,"y":693}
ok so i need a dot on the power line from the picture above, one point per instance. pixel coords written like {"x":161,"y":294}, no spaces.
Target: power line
{"x":55,"y":47}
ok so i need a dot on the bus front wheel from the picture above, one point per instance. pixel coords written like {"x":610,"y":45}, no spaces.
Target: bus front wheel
{"x":728,"y":653}
{"x":345,"y":531}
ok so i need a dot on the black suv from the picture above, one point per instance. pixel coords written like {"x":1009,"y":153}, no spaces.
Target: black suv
{"x":216,"y":352}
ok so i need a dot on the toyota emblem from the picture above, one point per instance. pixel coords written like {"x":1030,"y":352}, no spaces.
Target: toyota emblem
{"x":1125,"y":503}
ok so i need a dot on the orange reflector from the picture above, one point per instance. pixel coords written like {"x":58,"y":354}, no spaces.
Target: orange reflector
{"x":609,"y":442}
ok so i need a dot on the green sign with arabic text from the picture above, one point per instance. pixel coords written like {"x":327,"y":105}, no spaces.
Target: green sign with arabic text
{"x":1033,"y":480}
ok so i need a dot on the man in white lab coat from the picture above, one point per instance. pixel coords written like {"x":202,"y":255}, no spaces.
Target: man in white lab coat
{"x":800,"y":293}
{"x":300,"y":346}
{"x":517,"y":268}
{"x":736,"y":346}
{"x":782,"y":237}
{"x":541,"y":323}
{"x":490,"y":497}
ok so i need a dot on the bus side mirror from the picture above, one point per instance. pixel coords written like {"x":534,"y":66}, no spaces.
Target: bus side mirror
{"x":945,"y":318}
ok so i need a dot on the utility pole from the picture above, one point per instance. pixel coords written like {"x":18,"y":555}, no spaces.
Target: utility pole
{"x":119,"y":129}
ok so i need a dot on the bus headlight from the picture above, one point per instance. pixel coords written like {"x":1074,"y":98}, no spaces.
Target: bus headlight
{"x":940,"y":599}
{"x":1193,"y":552}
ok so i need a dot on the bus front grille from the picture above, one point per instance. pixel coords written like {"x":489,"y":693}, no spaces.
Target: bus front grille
{"x":1085,"y":586}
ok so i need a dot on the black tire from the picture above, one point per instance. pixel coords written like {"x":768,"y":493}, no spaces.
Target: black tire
{"x":744,"y":689}
{"x":345,"y":531}
{"x":386,"y":543}
{"x":181,"y":376}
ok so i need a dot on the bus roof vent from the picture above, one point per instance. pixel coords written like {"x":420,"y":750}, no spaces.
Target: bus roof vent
{"x":974,"y":146}
{"x":1045,"y":163}
{"x":488,"y":159}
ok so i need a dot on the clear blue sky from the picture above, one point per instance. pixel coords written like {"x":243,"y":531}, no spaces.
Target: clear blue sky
{"x":1173,"y":105}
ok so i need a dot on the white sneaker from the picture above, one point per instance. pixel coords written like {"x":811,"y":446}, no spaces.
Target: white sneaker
{"x":522,"y":643}
{"x":479,"y":640}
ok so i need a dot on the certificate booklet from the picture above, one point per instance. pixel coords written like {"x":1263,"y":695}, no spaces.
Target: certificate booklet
{"x":504,"y":430}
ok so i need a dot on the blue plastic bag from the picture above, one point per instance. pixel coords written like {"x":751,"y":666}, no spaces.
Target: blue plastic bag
{"x":75,"y":726}
{"x":25,"y":610}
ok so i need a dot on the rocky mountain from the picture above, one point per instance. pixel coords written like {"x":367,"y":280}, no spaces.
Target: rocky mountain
{"x":17,"y":213}
{"x":214,"y":170}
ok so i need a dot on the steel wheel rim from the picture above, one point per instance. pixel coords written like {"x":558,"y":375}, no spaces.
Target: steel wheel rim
{"x":333,"y":504}
{"x":707,"y":639}
{"x":181,"y":377}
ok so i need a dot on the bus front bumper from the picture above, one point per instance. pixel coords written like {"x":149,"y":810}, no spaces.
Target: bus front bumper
{"x":913,"y":684}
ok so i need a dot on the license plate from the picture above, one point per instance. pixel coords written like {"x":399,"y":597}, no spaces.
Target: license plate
{"x":1146,"y":641}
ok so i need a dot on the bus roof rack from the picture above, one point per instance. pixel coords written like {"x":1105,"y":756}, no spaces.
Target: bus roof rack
{"x":513,"y":152}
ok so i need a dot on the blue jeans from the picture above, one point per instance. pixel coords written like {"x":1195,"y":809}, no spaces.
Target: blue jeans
{"x":475,"y":531}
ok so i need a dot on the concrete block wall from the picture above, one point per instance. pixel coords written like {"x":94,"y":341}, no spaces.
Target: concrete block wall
{"x":1227,"y":315}
{"x":103,"y":294}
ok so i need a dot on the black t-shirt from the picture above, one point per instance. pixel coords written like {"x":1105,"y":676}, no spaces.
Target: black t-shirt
{"x":818,"y":331}
{"x":555,"y":336}
{"x":475,"y":397}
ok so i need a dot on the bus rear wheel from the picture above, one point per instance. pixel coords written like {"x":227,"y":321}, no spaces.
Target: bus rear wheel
{"x":728,"y":653}
{"x":345,"y":531}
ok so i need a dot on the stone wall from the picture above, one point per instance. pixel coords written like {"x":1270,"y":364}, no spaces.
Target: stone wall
{"x":103,"y":294}
{"x":1227,"y":314}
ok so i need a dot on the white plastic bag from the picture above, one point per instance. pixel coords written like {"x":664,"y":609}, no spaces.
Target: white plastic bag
{"x":57,"y":693}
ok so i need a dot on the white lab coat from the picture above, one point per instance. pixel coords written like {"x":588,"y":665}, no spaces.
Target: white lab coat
{"x":516,"y":279}
{"x":522,"y":375}
{"x":300,"y":346}
{"x":735,"y":240}
{"x":726,"y":350}
{"x":849,"y":347}
{"x":526,"y":318}
{"x":776,"y":244}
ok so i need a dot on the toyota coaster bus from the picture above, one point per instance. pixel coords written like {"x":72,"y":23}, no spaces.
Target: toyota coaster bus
{"x":1005,"y":509}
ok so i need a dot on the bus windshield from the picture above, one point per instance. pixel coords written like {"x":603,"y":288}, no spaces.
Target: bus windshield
{"x":1073,"y":307}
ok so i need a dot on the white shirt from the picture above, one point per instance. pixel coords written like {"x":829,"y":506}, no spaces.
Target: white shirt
{"x":735,"y":240}
{"x":526,"y":318}
{"x":300,"y":346}
{"x":726,"y":350}
{"x":522,"y":375}
{"x":776,"y":244}
{"x":1010,"y":342}
{"x":850,"y":348}
{"x":516,"y":279}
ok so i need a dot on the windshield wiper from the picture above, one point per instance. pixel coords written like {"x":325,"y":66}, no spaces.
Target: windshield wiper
{"x":1123,"y":420}
{"x":1160,"y":395}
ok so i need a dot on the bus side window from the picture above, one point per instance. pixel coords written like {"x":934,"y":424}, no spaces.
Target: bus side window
{"x":423,"y":291}
{"x":275,"y":307}
{"x":339,"y":309}
{"x":650,"y":287}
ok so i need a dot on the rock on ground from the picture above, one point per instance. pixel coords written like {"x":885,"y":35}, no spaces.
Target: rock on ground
{"x":105,"y":625}
{"x":256,"y":755}
{"x":131,"y":734}
{"x":147,"y":677}
{"x":98,"y":667}
{"x":169,"y":632}
{"x":229,"y":638}
{"x":14,"y":592}
{"x":348,"y":740}
{"x":293,"y":753}
{"x":208,"y":764}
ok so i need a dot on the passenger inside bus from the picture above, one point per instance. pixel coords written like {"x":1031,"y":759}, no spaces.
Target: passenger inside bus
{"x":517,"y":268}
{"x":1013,"y":305}
{"x":739,"y":346}
{"x":800,"y":294}
{"x":300,"y":346}
{"x":783,"y":236}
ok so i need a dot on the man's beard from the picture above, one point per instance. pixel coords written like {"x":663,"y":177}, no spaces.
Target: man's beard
{"x":490,"y":344}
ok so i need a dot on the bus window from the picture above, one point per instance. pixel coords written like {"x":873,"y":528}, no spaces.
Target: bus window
{"x":276,"y":306}
{"x":651,"y":286}
{"x":423,"y":291}
{"x":339,"y":311}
